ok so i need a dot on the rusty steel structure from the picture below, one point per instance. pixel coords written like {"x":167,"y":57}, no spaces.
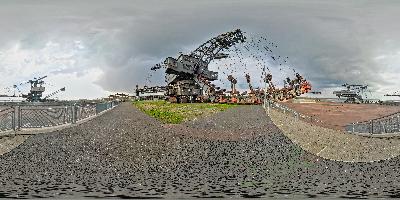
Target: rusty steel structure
{"x":293,"y":88}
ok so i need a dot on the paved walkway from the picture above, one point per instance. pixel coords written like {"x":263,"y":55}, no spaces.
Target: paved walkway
{"x":125,"y":153}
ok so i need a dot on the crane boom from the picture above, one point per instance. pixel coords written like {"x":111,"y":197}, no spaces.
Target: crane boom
{"x":54,"y":93}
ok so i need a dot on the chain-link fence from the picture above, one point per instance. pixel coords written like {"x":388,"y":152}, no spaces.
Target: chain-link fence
{"x":27,"y":116}
{"x":386,"y":124}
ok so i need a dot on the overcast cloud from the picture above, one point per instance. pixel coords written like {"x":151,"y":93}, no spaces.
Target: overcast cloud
{"x":97,"y":47}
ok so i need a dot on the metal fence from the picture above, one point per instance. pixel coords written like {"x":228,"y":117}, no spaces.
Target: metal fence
{"x":7,"y":118}
{"x":43,"y":116}
{"x":386,"y":124}
{"x":39,"y":116}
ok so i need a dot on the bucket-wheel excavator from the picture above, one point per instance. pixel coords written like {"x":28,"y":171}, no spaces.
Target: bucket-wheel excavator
{"x":188,"y":78}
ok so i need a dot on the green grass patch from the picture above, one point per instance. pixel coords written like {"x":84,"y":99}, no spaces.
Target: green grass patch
{"x":174,"y":113}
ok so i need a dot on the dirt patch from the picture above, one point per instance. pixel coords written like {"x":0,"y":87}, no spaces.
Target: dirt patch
{"x":338,"y":115}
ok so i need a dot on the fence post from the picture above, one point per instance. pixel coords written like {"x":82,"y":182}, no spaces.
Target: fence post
{"x":65,"y":113}
{"x":13,"y":119}
{"x":372,"y":126}
{"x":97,"y":108}
{"x":74,"y":114}
{"x":19,"y":118}
{"x":383,"y":125}
{"x":398,"y":124}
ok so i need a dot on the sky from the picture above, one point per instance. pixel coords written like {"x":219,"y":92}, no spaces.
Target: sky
{"x":97,"y":47}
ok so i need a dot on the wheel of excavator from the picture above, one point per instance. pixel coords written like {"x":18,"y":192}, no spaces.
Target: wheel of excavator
{"x":184,"y":99}
{"x":193,"y":99}
{"x":173,"y":99}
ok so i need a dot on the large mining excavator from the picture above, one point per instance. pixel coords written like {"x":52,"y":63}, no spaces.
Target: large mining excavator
{"x":188,"y":77}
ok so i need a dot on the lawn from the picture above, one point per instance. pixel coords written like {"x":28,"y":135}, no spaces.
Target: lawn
{"x":174,"y":113}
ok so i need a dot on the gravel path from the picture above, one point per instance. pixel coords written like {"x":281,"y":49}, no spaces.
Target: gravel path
{"x":133,"y":155}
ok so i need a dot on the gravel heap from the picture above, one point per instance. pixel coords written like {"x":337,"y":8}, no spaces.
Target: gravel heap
{"x":125,"y":153}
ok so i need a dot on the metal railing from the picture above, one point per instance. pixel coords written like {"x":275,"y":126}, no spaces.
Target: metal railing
{"x":43,"y":116}
{"x":40,"y":116}
{"x":386,"y":124}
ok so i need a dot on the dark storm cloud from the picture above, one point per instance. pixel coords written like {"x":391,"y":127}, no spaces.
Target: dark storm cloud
{"x":331,"y":42}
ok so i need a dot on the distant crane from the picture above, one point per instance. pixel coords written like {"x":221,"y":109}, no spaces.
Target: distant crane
{"x":353,"y":93}
{"x":395,"y":94}
{"x":36,"y":91}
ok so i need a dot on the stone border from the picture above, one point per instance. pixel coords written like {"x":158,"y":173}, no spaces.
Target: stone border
{"x":333,"y":144}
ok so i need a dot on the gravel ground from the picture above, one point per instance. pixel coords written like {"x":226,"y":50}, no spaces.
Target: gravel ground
{"x":335,"y":144}
{"x":132,"y":155}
